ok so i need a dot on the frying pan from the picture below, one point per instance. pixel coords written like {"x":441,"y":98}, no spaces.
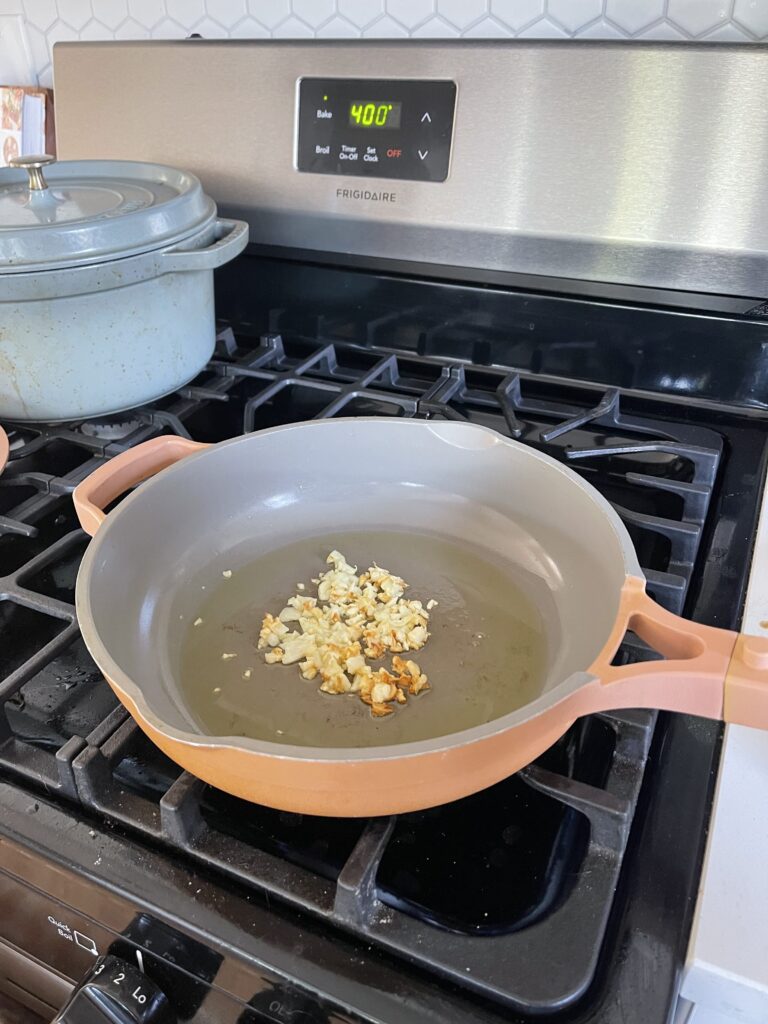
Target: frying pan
{"x":236,"y":505}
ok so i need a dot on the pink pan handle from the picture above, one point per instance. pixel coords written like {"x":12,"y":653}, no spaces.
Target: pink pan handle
{"x":746,"y":685}
{"x":124,"y":471}
{"x":5,"y":449}
{"x":712,"y":672}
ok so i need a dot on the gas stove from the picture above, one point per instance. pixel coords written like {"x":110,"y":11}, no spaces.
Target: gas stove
{"x":564,"y":892}
{"x":428,"y":894}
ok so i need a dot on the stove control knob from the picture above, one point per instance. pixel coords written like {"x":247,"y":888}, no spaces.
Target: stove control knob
{"x":115,"y":991}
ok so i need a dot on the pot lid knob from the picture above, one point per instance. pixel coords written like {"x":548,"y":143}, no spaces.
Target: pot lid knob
{"x":33,"y":165}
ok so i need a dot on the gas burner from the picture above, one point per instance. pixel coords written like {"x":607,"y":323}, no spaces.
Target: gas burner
{"x":16,"y":439}
{"x":110,"y":430}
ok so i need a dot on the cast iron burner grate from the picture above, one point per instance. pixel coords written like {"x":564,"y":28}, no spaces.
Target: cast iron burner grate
{"x":433,"y":886}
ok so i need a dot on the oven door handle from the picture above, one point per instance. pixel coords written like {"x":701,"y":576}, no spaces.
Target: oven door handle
{"x":116,"y":991}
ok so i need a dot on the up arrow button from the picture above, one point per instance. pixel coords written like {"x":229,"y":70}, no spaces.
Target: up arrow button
{"x":425,"y":117}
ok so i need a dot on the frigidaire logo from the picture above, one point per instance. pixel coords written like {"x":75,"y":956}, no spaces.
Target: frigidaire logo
{"x":364,"y":193}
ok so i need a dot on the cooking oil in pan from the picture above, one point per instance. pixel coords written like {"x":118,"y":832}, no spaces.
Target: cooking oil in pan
{"x":486,"y":655}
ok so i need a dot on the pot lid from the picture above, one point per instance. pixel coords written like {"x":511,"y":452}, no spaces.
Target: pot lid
{"x":74,"y":212}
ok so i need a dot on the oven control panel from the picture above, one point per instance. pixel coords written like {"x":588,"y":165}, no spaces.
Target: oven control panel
{"x":376,"y":128}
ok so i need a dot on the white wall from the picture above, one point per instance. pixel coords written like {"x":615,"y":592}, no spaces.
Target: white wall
{"x":32,"y":26}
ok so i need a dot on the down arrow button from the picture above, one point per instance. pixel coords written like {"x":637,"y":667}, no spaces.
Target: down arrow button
{"x":423,"y":154}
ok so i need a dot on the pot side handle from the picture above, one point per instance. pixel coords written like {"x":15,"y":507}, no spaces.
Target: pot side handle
{"x":231,"y":239}
{"x":715,"y":673}
{"x":118,"y":475}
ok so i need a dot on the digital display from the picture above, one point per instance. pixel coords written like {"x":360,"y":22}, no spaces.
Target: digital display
{"x":374,"y":114}
{"x":388,"y":128}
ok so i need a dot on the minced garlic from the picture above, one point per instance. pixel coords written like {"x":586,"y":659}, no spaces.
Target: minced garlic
{"x":353,"y":618}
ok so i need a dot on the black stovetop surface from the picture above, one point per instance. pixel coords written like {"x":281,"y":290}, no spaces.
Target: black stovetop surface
{"x":549,"y":892}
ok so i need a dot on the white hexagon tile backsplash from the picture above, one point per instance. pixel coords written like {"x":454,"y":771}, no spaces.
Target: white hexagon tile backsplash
{"x":43,"y":22}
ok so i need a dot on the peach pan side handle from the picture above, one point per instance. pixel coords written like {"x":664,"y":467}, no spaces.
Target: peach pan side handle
{"x":5,"y":449}
{"x":124,"y":471}
{"x":711,"y":672}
